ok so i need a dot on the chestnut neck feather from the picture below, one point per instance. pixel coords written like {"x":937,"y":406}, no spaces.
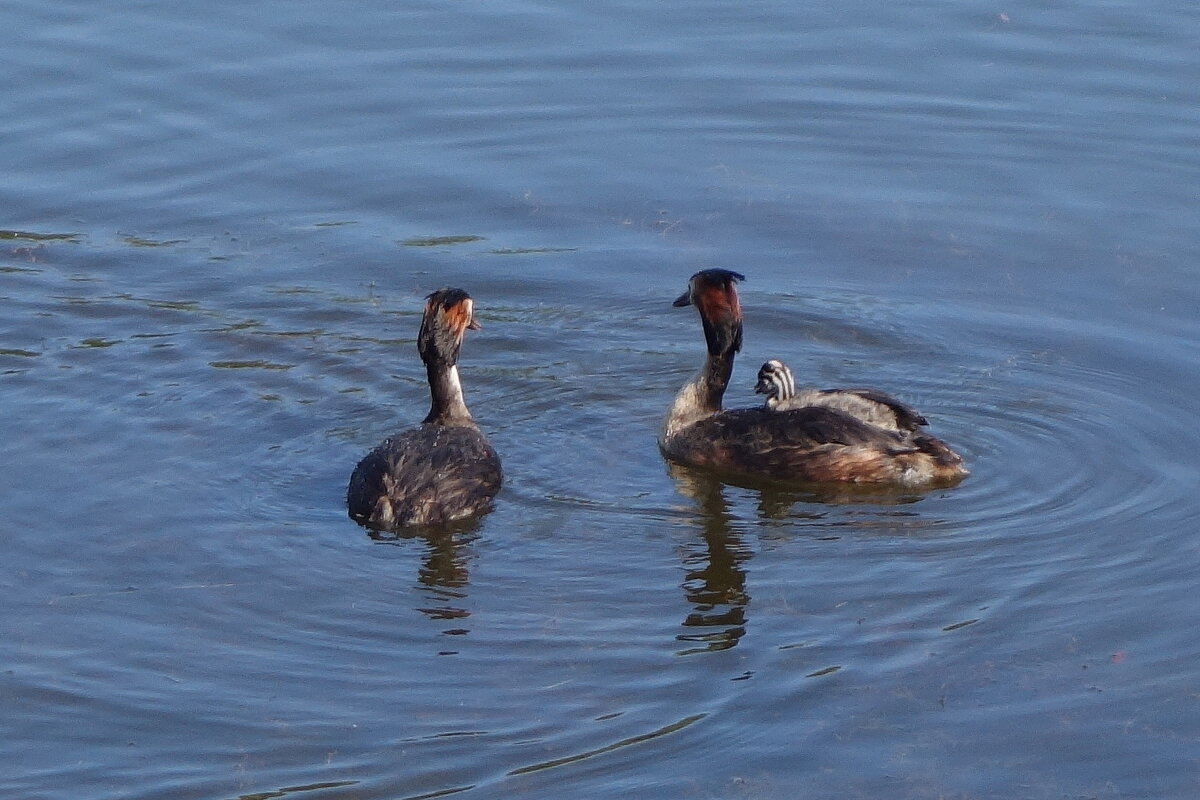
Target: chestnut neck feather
{"x":713,"y":379}
{"x":438,"y":343}
{"x":714,"y":294}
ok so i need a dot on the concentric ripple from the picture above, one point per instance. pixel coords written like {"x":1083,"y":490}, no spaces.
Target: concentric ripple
{"x":1064,"y":436}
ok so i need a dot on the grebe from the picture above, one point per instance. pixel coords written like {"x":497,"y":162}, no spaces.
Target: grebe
{"x":444,"y":470}
{"x":817,"y":443}
{"x":881,"y":410}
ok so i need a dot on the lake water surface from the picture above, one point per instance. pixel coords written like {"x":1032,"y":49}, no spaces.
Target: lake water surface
{"x":217,"y":225}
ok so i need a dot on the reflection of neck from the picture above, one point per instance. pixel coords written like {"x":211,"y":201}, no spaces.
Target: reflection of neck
{"x":701,"y":396}
{"x":446,"y":391}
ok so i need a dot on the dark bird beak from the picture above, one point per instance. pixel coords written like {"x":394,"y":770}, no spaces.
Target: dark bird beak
{"x":684,"y":299}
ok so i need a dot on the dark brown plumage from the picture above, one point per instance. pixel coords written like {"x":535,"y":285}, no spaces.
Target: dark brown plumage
{"x":445,"y":469}
{"x":822,"y":442}
{"x":813,"y":444}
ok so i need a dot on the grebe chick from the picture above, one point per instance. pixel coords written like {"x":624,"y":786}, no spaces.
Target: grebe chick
{"x":816,"y":443}
{"x":874,"y":407}
{"x":445,"y":469}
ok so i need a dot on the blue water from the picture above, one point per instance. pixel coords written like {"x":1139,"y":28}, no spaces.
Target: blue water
{"x":217,"y":225}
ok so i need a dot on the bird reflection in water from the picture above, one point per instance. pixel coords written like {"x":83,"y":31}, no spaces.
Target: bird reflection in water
{"x":715,"y":582}
{"x":443,"y":571}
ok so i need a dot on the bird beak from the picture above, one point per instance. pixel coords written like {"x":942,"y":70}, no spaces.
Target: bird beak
{"x":684,"y":299}
{"x":474,"y":325}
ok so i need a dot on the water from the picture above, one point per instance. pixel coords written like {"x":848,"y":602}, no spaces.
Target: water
{"x":219,"y":224}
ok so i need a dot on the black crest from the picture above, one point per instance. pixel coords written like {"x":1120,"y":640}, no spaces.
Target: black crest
{"x":447,"y":317}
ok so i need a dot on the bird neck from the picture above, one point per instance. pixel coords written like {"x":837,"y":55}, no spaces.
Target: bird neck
{"x":446,"y":393}
{"x":701,"y":396}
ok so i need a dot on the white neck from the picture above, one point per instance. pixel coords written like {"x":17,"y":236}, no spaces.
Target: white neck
{"x":701,"y":396}
{"x":447,"y":395}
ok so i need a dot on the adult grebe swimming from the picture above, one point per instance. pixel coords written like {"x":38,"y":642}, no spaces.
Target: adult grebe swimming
{"x":818,"y":443}
{"x":444,"y":470}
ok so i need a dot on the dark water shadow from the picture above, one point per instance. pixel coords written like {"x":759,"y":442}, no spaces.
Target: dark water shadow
{"x":443,"y":573}
{"x":777,"y":498}
{"x":715,"y":579}
{"x":288,"y":791}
